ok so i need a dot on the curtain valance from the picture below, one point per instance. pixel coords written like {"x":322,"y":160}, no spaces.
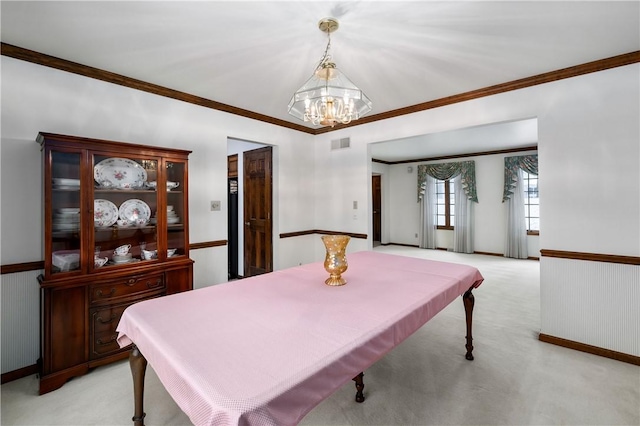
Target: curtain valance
{"x":444,"y":171}
{"x":528,"y":163}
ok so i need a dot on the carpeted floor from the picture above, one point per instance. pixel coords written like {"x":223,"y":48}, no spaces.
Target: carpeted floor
{"x":514,"y":380}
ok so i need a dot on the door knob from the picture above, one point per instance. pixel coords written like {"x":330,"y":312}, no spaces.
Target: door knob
{"x":248,"y":223}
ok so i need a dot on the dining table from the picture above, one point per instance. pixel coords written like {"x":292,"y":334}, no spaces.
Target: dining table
{"x":265,"y":350}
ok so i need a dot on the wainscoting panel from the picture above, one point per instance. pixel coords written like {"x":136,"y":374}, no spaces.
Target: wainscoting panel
{"x":596,"y":303}
{"x":20,"y":320}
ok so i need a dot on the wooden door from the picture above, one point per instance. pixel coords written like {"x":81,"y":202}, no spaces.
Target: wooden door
{"x":257,"y":212}
{"x":376,"y":208}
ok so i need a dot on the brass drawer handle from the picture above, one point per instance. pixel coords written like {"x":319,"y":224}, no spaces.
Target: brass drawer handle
{"x":113,"y":317}
{"x":111,"y":340}
{"x":157,"y":284}
{"x":131,"y":282}
{"x":99,"y":293}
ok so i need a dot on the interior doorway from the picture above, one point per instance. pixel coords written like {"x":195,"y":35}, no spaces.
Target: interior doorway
{"x":232,"y":216}
{"x":236,"y":209}
{"x":258,"y":179}
{"x":376,"y":208}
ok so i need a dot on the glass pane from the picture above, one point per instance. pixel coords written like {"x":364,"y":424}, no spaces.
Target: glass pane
{"x":441,"y":221}
{"x":125,"y":202}
{"x":534,"y":210}
{"x":176,"y":208}
{"x":441,"y":209}
{"x":440,"y":198}
{"x":534,"y":224}
{"x":65,"y":211}
{"x":440,"y":186}
{"x":452,"y":210}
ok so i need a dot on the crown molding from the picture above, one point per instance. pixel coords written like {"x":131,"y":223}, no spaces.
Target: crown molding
{"x":574,"y":71}
{"x":456,"y":156}
{"x":91,"y":72}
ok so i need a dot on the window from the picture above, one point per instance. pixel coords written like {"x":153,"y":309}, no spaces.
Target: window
{"x":445,"y":203}
{"x":531,"y":203}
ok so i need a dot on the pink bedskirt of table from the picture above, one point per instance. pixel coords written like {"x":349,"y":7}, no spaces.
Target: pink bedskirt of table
{"x":266,"y":350}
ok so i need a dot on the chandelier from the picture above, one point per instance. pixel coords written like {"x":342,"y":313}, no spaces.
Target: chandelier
{"x":328,"y":97}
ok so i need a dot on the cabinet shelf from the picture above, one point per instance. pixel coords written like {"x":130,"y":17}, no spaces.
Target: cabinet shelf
{"x":82,"y":299}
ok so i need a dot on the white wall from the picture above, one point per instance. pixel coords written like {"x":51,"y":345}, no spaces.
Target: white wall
{"x":36,"y":98}
{"x":588,"y":151}
{"x":489,"y":212}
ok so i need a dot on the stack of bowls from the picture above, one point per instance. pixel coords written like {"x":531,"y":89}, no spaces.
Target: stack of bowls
{"x":63,"y":183}
{"x":67,"y":219}
{"x":172,"y":218}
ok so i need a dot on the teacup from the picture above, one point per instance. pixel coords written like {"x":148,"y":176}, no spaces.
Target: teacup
{"x":99,"y":223}
{"x":172,"y":185}
{"x":171,"y":252}
{"x":149,"y":254}
{"x":141,"y":222}
{"x":123,"y":222}
{"x":100,"y":261}
{"x":122,"y":250}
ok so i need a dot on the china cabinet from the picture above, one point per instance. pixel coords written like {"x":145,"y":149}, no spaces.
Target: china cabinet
{"x":116,"y":229}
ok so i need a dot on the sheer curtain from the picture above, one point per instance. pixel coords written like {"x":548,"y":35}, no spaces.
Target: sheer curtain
{"x":462,"y":220}
{"x":515,"y":244}
{"x":428,"y":214}
{"x":465,"y":186}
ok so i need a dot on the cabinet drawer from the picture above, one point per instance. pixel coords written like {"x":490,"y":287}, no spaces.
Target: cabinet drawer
{"x":128,"y":287}
{"x":103,"y":330}
{"x":102,"y":333}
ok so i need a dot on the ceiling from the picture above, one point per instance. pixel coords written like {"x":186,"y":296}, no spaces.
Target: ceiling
{"x":486,"y":138}
{"x":254,"y":55}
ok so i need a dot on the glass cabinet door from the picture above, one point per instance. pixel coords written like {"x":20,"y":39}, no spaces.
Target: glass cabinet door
{"x":125,"y":204}
{"x":65,"y":211}
{"x":176,"y":208}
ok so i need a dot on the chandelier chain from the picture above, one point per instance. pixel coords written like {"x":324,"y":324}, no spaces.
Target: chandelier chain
{"x":325,"y":56}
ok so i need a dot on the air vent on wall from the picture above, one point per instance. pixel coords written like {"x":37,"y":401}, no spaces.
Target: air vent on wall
{"x":340,"y":143}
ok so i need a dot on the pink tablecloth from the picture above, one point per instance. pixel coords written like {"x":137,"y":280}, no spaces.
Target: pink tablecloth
{"x":266,"y":350}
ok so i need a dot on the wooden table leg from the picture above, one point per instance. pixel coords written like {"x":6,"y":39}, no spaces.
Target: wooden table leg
{"x":138,"y":365}
{"x":359,"y":387}
{"x":469,"y":301}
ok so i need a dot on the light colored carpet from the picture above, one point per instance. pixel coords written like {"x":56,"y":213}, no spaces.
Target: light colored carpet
{"x":514,"y":380}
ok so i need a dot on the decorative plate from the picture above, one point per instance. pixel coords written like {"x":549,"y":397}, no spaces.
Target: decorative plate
{"x":134,"y":209}
{"x":105,"y":213}
{"x":119,"y":173}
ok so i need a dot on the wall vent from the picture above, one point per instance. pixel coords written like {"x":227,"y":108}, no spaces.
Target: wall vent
{"x":340,"y":143}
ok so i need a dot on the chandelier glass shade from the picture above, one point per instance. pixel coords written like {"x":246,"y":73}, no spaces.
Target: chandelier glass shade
{"x":328,"y":97}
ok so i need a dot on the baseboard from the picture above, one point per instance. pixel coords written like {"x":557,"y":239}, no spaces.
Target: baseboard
{"x":486,"y":253}
{"x":400,"y":244}
{"x":19,"y":373}
{"x":594,"y":350}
